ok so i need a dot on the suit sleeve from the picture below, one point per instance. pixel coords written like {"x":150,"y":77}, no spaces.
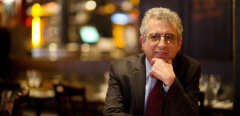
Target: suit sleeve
{"x":115,"y":103}
{"x":183,"y":97}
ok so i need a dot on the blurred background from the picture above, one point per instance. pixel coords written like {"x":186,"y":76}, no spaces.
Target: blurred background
{"x":55,"y":54}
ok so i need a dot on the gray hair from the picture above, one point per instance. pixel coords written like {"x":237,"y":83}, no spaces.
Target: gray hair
{"x":161,"y":14}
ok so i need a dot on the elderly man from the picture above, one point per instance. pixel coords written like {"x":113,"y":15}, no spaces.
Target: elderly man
{"x":160,"y":81}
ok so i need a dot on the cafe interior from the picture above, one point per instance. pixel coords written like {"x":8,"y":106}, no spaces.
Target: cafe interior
{"x":56,"y":54}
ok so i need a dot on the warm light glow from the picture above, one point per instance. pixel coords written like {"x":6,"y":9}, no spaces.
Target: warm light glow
{"x":36,"y":33}
{"x":90,"y":5}
{"x":82,"y":17}
{"x":8,"y":2}
{"x":36,"y":25}
{"x":53,"y":47}
{"x":109,"y":8}
{"x":85,"y":47}
{"x":134,"y":15}
{"x":72,"y":47}
{"x":50,"y":8}
{"x":135,"y":2}
{"x":118,"y":36}
{"x":126,"y":6}
{"x":28,"y":22}
{"x":36,"y":10}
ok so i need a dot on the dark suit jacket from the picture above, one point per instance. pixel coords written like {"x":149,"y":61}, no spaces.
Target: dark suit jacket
{"x":126,"y":91}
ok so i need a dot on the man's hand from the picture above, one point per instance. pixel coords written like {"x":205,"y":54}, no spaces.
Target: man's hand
{"x":163,"y":70}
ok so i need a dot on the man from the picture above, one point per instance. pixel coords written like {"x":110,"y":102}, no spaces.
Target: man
{"x":172,"y":76}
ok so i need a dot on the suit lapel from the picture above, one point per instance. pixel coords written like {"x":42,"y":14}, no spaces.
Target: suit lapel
{"x":140,"y":80}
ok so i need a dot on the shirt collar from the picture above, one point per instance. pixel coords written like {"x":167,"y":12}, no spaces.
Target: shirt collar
{"x":148,"y":67}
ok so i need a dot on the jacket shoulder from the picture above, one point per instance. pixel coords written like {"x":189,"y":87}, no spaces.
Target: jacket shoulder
{"x":127,"y":64}
{"x":190,"y":60}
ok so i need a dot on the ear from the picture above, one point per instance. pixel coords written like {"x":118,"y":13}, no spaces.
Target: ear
{"x":141,"y":40}
{"x":179,"y":43}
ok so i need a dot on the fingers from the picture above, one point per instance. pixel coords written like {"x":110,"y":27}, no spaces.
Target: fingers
{"x":162,"y":70}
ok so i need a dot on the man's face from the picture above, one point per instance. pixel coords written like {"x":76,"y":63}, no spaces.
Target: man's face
{"x":161,"y":40}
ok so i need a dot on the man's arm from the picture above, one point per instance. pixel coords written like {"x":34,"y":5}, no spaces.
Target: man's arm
{"x":115,"y":104}
{"x":183,"y":97}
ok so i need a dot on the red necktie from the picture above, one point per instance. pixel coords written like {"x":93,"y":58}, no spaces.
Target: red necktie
{"x":154,"y":103}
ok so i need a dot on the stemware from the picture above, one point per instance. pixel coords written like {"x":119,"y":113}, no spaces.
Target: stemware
{"x":215,"y":84}
{"x":203,"y":83}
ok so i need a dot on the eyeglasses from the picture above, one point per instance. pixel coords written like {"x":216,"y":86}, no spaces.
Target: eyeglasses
{"x":169,"y":38}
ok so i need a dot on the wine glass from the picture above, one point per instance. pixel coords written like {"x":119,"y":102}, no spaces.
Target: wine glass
{"x":215,"y":84}
{"x":203,"y":83}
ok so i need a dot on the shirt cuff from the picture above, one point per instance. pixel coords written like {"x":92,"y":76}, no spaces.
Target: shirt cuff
{"x":165,"y":88}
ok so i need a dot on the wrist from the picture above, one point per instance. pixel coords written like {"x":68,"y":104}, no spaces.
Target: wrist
{"x":170,"y":82}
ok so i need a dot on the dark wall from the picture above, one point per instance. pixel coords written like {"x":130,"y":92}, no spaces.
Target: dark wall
{"x":5,"y":38}
{"x":211,"y":30}
{"x":237,"y":59}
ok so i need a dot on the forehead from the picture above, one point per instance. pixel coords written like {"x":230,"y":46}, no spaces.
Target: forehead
{"x":161,"y":26}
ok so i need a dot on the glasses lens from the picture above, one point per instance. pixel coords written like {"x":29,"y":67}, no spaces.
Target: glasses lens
{"x":154,"y":36}
{"x":169,"y":37}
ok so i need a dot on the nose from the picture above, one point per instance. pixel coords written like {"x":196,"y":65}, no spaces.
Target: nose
{"x":162,"y":43}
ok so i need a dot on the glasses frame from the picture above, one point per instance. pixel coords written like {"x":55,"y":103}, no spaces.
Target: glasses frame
{"x":169,"y":38}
